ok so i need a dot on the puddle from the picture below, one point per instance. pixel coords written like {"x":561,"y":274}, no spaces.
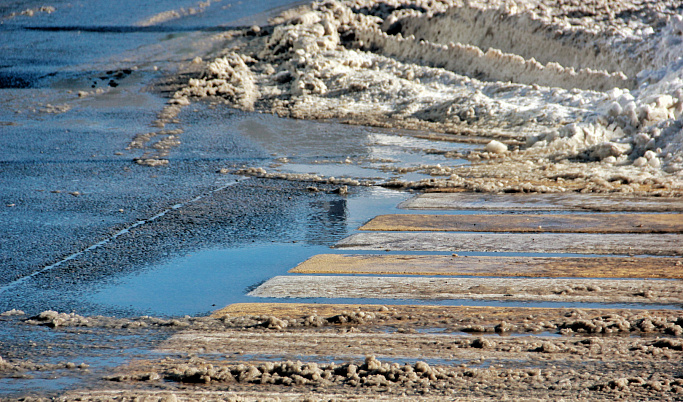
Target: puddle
{"x":209,"y":279}
{"x":320,"y":140}
{"x":41,"y":354}
{"x":9,"y":386}
{"x":204,"y":280}
{"x":339,"y":150}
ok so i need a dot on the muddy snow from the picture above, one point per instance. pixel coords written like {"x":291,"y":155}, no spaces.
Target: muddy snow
{"x":394,"y":352}
{"x":571,"y":97}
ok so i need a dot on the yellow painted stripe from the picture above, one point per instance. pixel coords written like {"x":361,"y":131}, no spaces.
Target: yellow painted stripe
{"x":580,"y":267}
{"x":574,"y":223}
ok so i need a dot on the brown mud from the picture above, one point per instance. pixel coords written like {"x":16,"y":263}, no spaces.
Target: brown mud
{"x":332,"y":352}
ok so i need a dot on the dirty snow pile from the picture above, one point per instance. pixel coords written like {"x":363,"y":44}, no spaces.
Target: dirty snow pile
{"x":588,"y":91}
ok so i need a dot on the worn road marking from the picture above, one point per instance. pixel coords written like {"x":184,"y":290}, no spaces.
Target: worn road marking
{"x":542,"y":202}
{"x":625,"y":244}
{"x":576,"y":223}
{"x":512,"y":289}
{"x":424,"y":314}
{"x":292,"y":309}
{"x":580,"y":267}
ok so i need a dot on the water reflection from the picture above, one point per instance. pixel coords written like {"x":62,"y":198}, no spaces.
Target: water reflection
{"x":328,"y":222}
{"x":218,"y":274}
{"x":365,"y":153}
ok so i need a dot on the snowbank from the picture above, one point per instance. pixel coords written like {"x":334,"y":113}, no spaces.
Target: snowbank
{"x":599,"y":86}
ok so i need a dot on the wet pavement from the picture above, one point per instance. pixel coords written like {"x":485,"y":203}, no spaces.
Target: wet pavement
{"x":71,"y":192}
{"x":86,"y":229}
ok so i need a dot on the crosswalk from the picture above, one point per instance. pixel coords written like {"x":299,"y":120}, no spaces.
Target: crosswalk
{"x":534,"y":289}
{"x":534,"y":255}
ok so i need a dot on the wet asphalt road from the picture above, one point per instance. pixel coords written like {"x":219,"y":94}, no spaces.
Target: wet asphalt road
{"x":86,"y":229}
{"x":67,"y":181}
